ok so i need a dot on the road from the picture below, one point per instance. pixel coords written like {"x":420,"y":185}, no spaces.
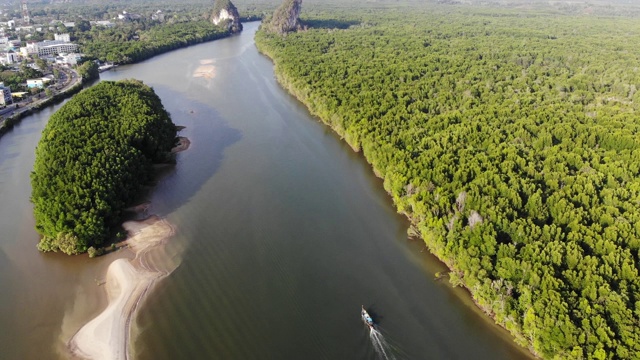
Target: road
{"x":68,"y":78}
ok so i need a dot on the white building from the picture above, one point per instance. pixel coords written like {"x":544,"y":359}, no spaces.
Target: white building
{"x":53,"y":49}
{"x":37,"y":83}
{"x":28,"y":50}
{"x":125,"y":16}
{"x":62,"y":37}
{"x":26,"y":29}
{"x":68,"y":59}
{"x":48,"y":47}
{"x":105,"y":23}
{"x":5,"y":98}
{"x":12,"y":57}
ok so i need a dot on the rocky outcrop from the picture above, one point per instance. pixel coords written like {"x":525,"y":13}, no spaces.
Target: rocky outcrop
{"x":224,"y":12}
{"x":286,"y":17}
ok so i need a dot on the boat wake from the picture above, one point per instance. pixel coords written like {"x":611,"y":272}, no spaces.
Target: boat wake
{"x":380,"y":345}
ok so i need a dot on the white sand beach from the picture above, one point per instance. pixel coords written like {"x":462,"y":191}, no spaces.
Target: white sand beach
{"x":127,"y":281}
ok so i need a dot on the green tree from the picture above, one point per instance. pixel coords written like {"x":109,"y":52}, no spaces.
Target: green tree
{"x":519,"y":112}
{"x":95,"y":154}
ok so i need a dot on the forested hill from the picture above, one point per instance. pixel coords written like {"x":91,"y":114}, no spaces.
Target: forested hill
{"x":285,"y":18}
{"x":95,"y":154}
{"x":511,"y":140}
{"x":225,"y":12}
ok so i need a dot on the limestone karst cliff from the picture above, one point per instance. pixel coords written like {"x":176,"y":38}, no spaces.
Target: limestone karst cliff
{"x":286,"y":17}
{"x":224,"y":12}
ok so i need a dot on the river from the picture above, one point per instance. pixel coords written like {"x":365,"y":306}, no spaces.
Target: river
{"x":283,"y":233}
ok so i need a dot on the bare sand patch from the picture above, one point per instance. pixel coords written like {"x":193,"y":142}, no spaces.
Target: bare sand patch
{"x":183,"y":144}
{"x":127,"y":282}
{"x":205,"y":71}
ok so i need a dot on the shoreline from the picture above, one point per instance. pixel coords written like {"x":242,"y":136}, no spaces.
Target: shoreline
{"x":127,"y":283}
{"x":182,"y":145}
{"x":8,"y":123}
{"x":290,"y":88}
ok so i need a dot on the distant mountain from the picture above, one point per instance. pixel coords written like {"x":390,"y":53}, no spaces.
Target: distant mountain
{"x":225,"y":12}
{"x":286,"y":17}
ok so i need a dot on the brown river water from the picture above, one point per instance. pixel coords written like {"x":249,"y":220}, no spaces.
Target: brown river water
{"x":282,"y":233}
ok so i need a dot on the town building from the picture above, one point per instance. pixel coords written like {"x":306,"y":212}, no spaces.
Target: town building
{"x":28,"y":50}
{"x":12,"y":57}
{"x":62,"y":37}
{"x":37,"y":83}
{"x":5,"y":97}
{"x":51,"y":49}
{"x":125,"y":16}
{"x":14,"y":44}
{"x":105,"y":23}
{"x":48,"y":47}
{"x":26,"y":29}
{"x":68,"y":59}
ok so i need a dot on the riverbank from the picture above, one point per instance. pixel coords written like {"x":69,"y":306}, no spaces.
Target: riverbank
{"x":74,"y":88}
{"x":157,"y":40}
{"x":127,"y":283}
{"x":15,"y":119}
{"x":317,"y":109}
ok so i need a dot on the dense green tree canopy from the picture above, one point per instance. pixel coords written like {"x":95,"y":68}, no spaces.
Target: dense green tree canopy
{"x":138,"y":41}
{"x":511,"y":140}
{"x":94,"y":156}
{"x":88,"y":70}
{"x":17,"y":80}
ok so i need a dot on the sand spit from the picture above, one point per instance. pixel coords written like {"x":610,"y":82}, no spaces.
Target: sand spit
{"x":127,"y":281}
{"x":183,"y":144}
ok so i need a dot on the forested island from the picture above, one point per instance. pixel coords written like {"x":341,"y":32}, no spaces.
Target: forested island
{"x":95,"y":155}
{"x":510,"y":140}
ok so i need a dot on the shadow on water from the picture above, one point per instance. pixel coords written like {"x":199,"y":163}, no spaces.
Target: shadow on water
{"x":329,"y":23}
{"x":209,"y":135}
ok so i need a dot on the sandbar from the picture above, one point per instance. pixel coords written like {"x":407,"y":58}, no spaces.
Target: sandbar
{"x":205,"y":71}
{"x":183,"y":144}
{"x":127,"y":281}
